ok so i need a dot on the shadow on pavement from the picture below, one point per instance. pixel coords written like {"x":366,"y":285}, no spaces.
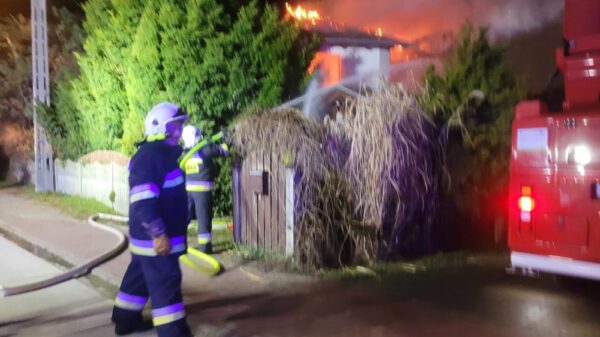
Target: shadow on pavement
{"x":197,"y":306}
{"x":270,"y":306}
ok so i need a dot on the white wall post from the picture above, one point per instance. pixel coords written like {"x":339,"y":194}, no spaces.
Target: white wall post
{"x":44,"y":166}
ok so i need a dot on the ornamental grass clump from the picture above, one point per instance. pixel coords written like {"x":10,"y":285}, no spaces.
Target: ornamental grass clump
{"x":395,"y":165}
{"x":366,"y":185}
{"x":288,"y":135}
{"x":324,"y":213}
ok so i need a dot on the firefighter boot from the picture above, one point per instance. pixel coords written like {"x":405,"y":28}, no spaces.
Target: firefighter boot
{"x":206,"y":248}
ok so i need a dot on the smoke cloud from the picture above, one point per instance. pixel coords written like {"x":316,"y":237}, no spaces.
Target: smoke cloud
{"x":412,"y":19}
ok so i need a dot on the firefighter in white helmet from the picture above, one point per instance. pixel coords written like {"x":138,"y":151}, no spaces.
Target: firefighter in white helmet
{"x":157,"y":229}
{"x":201,"y":171}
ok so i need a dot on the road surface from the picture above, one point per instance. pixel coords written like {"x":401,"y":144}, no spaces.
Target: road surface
{"x":467,"y":301}
{"x":73,"y":308}
{"x":474,"y":298}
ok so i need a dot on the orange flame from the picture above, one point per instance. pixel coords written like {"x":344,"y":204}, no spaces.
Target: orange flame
{"x":399,"y":54}
{"x":379,"y":32}
{"x":302,"y":14}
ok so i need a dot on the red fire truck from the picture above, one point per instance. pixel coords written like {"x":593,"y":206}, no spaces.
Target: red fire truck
{"x":554,"y":192}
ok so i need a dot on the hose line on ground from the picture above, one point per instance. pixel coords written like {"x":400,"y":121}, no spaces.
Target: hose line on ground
{"x":80,"y":270}
{"x":210,"y":265}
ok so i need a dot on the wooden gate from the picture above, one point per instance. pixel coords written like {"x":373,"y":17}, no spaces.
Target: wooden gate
{"x":261,"y":199}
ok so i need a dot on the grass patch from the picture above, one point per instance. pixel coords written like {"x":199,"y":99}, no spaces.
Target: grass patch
{"x":77,"y":207}
{"x":223,"y":220}
{"x":222,"y":235}
{"x":348,"y":273}
{"x":8,"y":184}
{"x":268,"y":261}
{"x":438,"y":261}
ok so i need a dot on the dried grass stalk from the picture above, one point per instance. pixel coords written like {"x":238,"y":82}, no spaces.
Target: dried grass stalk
{"x":394,"y":164}
{"x":289,"y":135}
{"x":367,"y":183}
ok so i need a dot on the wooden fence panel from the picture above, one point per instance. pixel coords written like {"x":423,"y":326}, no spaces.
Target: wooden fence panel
{"x":236,"y":194}
{"x":266,"y":202}
{"x":262,"y":213}
{"x":281,"y":195}
{"x":260,"y":205}
{"x":253,"y":208}
{"x":243,"y":204}
{"x":272,"y":220}
{"x":289,"y":211}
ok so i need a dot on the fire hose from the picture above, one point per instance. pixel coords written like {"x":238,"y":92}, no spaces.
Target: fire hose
{"x":213,"y":267}
{"x":77,"y":271}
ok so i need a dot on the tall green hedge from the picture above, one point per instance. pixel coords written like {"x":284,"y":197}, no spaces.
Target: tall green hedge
{"x":213,"y":62}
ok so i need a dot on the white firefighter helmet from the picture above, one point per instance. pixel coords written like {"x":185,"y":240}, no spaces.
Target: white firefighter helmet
{"x":159,"y":116}
{"x":191,"y":135}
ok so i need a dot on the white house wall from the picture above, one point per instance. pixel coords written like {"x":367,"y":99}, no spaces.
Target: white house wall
{"x":363,"y":65}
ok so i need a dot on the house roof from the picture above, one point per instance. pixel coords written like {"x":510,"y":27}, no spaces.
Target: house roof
{"x":335,"y":88}
{"x":337,"y":35}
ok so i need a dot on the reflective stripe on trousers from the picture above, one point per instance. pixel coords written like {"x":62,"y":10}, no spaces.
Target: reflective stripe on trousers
{"x":168,"y":314}
{"x":204,"y":238}
{"x":199,"y":186}
{"x":130,"y":302}
{"x":157,"y":277}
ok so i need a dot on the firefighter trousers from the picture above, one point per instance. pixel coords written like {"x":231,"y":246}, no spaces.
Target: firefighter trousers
{"x":159,"y":278}
{"x":200,"y":204}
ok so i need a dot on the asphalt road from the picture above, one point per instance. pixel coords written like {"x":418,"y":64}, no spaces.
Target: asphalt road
{"x":477,"y":299}
{"x":474,"y":300}
{"x":73,"y":308}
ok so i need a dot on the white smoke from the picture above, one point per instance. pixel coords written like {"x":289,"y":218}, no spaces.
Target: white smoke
{"x":412,"y":19}
{"x":515,"y":16}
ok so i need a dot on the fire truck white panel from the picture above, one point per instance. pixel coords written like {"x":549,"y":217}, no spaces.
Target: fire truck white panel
{"x":556,"y":265}
{"x":532,"y":139}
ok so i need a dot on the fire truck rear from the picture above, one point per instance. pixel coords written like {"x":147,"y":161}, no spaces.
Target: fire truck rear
{"x":554,"y":192}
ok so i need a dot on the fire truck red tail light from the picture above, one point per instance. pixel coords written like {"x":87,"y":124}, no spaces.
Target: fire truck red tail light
{"x":526,"y":204}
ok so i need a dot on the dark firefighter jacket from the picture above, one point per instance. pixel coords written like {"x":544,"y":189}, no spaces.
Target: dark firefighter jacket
{"x":201,"y":169}
{"x":157,"y":197}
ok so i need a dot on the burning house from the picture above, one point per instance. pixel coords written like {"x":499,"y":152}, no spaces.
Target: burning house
{"x":348,"y":60}
{"x":351,"y":57}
